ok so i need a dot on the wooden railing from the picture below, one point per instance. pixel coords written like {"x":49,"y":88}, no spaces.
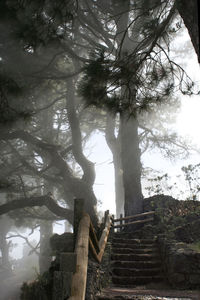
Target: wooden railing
{"x":86,"y":240}
{"x":129,"y":220}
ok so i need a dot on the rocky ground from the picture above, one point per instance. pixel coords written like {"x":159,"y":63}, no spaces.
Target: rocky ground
{"x":151,"y":294}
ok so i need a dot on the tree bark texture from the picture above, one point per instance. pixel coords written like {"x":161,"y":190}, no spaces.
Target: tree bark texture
{"x":130,"y":155}
{"x":85,"y":187}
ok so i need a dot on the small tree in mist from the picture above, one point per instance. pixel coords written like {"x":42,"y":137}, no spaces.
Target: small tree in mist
{"x":185,"y":186}
{"x":192,"y":178}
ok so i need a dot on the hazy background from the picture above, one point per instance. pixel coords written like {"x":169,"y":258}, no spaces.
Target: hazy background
{"x":187,"y":125}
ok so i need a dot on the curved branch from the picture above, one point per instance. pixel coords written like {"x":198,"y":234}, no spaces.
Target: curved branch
{"x":33,"y":249}
{"x":86,"y":165}
{"x":45,"y":200}
{"x":78,"y":187}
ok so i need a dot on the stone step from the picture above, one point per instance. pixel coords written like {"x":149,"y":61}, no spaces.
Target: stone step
{"x":135,"y":246}
{"x":114,"y":293}
{"x":133,"y":280}
{"x":148,"y":264}
{"x":117,"y":240}
{"x":136,"y":272}
{"x":134,"y":251}
{"x":131,"y":235}
{"x":133,"y":257}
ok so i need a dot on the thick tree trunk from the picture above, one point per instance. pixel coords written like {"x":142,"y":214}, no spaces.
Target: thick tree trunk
{"x":130,"y":154}
{"x":188,"y":11}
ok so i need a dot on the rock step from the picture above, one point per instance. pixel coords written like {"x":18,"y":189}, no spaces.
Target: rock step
{"x":136,"y":264}
{"x":133,"y":257}
{"x":131,"y":235}
{"x":136,"y":272}
{"x":134,"y":251}
{"x":133,"y":280}
{"x":134,"y":246}
{"x":133,"y":241}
{"x":114,"y":293}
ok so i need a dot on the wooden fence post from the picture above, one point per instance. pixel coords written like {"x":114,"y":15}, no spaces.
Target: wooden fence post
{"x":105,"y":217}
{"x":121,"y":221}
{"x":78,"y":213}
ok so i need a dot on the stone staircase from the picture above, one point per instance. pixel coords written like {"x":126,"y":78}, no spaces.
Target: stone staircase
{"x":134,"y":261}
{"x":135,"y":265}
{"x":136,"y":271}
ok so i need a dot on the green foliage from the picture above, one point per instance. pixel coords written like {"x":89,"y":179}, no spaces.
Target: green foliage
{"x":195,"y":246}
{"x":9,"y":89}
{"x":171,"y":214}
{"x":189,"y":189}
{"x":40,"y":289}
{"x":192,"y":177}
{"x":94,"y":86}
{"x":36,"y":22}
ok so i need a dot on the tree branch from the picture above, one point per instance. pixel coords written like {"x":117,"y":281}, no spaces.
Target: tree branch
{"x":45,"y":200}
{"x":86,"y":165}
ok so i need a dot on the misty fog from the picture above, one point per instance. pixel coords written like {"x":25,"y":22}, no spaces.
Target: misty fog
{"x":70,"y":79}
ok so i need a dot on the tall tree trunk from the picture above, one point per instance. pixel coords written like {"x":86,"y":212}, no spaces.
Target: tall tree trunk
{"x":5,"y":225}
{"x":85,"y":188}
{"x":46,"y":232}
{"x":4,"y":246}
{"x":130,"y":155}
{"x":113,"y":143}
{"x":130,"y":151}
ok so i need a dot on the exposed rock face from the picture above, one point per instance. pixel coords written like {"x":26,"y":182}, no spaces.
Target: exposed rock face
{"x":181,"y":264}
{"x":176,"y":219}
{"x":177,"y":223}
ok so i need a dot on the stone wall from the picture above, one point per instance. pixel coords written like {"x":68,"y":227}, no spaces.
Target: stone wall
{"x":189,"y":232}
{"x":98,"y":275}
{"x":180,"y":263}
